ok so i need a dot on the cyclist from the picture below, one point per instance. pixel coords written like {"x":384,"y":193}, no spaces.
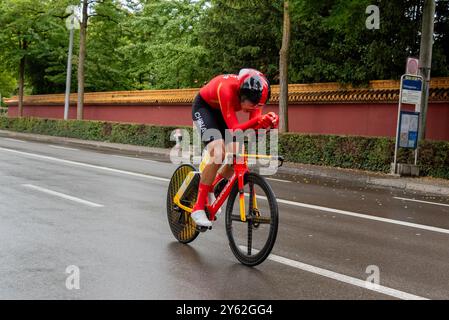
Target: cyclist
{"x":215,"y":107}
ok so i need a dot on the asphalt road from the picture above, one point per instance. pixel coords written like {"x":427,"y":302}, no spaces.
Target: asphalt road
{"x":105,"y":214}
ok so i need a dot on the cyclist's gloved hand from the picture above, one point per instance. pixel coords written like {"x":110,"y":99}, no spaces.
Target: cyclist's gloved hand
{"x":275,"y":122}
{"x":266,"y":121}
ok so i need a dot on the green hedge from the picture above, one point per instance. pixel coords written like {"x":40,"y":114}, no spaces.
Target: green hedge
{"x":366,"y":153}
{"x":137,"y":134}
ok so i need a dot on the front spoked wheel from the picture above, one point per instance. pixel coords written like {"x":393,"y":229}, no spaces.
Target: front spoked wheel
{"x":252,"y":240}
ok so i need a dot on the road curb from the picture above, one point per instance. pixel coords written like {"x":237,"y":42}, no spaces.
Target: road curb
{"x":360,"y":178}
{"x":98,"y":145}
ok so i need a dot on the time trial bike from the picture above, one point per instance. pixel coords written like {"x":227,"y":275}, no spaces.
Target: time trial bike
{"x":251,"y":214}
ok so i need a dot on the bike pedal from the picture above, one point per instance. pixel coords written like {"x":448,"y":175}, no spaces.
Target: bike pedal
{"x":203,"y":229}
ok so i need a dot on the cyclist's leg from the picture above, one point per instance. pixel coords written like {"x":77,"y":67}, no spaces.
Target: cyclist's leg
{"x":216,"y":155}
{"x":227,"y":170}
{"x":216,"y":150}
{"x":206,"y":120}
{"x":224,"y":173}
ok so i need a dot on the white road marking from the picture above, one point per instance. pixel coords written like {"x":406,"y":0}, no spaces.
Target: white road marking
{"x":81,"y":164}
{"x":421,"y":201}
{"x":279,"y":259}
{"x":15,"y":140}
{"x":359,"y":215}
{"x":280,"y":180}
{"x":342,"y":278}
{"x":63,"y":195}
{"x":297,"y":204}
{"x":64,"y":148}
{"x":133,"y":158}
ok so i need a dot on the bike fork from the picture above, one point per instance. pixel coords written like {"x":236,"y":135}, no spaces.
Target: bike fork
{"x":241,"y":185}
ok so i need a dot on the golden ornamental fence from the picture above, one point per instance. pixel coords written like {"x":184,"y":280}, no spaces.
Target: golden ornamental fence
{"x":378,"y":91}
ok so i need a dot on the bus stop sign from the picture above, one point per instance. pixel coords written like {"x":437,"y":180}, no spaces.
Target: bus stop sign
{"x":411,"y":92}
{"x":408,"y":129}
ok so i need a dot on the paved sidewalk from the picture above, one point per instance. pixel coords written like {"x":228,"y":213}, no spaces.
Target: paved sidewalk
{"x":425,"y":185}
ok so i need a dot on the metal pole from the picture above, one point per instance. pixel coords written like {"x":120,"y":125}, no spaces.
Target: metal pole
{"x":397,"y":128}
{"x":69,"y":76}
{"x":425,"y":59}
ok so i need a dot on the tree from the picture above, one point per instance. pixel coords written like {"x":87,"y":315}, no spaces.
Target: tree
{"x":108,"y":64}
{"x":240,"y":34}
{"x":46,"y":67}
{"x":27,"y":26}
{"x":164,"y":50}
{"x":332,"y":42}
{"x":184,"y":43}
{"x":92,"y":8}
{"x":81,"y":58}
{"x":283,"y":69}
{"x":7,"y":81}
{"x":19,"y":21}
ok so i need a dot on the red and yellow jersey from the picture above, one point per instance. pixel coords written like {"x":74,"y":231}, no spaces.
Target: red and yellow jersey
{"x":222,"y":92}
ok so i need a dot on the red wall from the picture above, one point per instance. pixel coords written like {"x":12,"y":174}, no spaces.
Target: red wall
{"x":343,"y":119}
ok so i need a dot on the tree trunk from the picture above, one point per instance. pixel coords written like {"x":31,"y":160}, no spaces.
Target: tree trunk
{"x":23,"y":46}
{"x":425,"y":59}
{"x":283,"y":69}
{"x":81,"y":59}
{"x":21,"y":85}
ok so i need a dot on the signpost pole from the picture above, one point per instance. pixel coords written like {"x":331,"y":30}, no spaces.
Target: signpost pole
{"x":69,"y":76}
{"x":409,"y":93}
{"x":396,"y":147}
{"x":72,"y":23}
{"x":416,"y":155}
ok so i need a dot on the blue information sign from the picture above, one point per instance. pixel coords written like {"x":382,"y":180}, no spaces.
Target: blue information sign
{"x":415,"y":85}
{"x":408,"y":129}
{"x":411,"y":91}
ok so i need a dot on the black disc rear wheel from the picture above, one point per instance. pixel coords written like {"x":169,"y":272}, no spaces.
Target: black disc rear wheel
{"x":181,"y":224}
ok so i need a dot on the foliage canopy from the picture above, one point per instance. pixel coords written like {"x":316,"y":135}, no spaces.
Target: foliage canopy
{"x":142,"y":44}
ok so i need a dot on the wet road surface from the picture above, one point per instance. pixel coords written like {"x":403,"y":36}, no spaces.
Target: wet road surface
{"x":105,"y":214}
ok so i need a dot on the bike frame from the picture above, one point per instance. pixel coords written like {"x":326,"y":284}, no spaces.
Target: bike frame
{"x":240,"y":170}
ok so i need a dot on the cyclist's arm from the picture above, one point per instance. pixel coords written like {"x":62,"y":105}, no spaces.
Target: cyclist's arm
{"x":255,"y":113}
{"x":227,"y":109}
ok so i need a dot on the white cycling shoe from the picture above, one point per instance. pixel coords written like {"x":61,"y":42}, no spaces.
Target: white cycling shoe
{"x":211,"y":199}
{"x":200,"y":218}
